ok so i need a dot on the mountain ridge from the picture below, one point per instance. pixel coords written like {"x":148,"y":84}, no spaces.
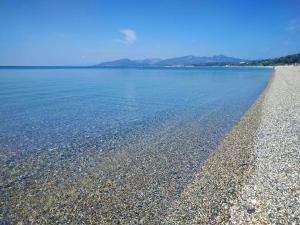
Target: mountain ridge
{"x":188,"y":60}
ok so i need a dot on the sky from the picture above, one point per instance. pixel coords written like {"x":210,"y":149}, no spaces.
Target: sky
{"x":73,"y":32}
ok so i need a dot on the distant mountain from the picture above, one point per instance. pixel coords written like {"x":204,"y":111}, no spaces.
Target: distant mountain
{"x":198,"y":60}
{"x":130,"y":63}
{"x":188,"y":60}
{"x":150,"y":61}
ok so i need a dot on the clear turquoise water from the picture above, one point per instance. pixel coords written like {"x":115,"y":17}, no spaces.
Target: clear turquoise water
{"x":44,"y":107}
{"x":155,"y":123}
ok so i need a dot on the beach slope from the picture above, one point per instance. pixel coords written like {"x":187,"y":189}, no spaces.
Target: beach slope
{"x":272,"y":194}
{"x":254,"y":176}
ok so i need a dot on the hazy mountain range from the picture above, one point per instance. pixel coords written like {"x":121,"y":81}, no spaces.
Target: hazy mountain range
{"x":189,"y":60}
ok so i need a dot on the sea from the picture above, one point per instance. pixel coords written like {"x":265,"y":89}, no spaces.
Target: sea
{"x":112,"y":145}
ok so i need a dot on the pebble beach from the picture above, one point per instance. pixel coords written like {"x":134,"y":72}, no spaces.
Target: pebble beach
{"x":103,"y":146}
{"x":272,"y":193}
{"x":176,"y":173}
{"x":254,"y":177}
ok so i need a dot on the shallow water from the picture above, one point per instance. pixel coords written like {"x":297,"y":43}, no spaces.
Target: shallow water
{"x":109,"y":145}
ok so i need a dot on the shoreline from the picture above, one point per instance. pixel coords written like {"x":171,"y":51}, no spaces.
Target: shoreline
{"x":130,"y":177}
{"x":271,"y":195}
{"x":220,"y":180}
{"x":208,"y":198}
{"x":220,"y":191}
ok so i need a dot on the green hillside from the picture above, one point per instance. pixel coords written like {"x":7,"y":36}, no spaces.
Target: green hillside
{"x":285,"y":60}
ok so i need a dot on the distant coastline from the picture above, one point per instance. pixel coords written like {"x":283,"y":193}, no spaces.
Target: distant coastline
{"x":130,"y":67}
{"x":178,"y":62}
{"x":198,"y":61}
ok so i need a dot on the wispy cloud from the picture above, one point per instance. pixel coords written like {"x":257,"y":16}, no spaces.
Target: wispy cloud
{"x":129,"y":36}
{"x":293,"y":25}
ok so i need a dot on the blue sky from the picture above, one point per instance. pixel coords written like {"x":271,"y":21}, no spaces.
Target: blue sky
{"x":61,"y":32}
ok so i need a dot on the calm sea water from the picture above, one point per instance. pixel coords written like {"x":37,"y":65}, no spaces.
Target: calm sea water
{"x":107,"y":139}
